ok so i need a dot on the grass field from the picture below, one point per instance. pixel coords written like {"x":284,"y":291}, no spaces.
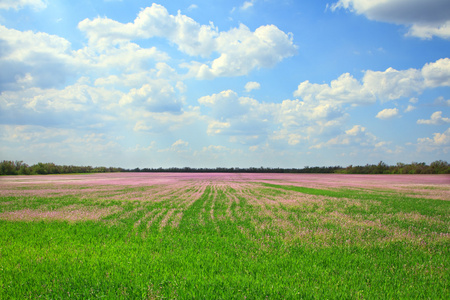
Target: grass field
{"x":224,"y":236}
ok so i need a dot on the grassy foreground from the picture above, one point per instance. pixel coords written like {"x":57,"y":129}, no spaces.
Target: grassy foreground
{"x":224,"y":241}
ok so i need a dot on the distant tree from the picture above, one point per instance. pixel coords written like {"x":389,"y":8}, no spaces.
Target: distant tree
{"x":440,"y":167}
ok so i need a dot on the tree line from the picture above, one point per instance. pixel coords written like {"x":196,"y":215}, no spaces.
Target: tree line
{"x":239,"y":170}
{"x":436,"y":167}
{"x":8,"y":167}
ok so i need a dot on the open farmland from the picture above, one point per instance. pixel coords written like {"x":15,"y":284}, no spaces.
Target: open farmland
{"x":225,"y":236}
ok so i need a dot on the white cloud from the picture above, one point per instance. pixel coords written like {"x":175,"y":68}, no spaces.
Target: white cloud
{"x":78,"y":105}
{"x":437,"y":73}
{"x":47,"y":144}
{"x":393,"y":84}
{"x":162,"y":122}
{"x":243,"y":119}
{"x":247,"y":120}
{"x":35,"y":59}
{"x":19,"y":4}
{"x":387,"y":113}
{"x":180,"y":144}
{"x":410,"y":108}
{"x":441,"y":101}
{"x":383,"y":85}
{"x":217,"y":127}
{"x":135,"y":79}
{"x":42,"y":60}
{"x":141,"y":126}
{"x":439,"y":142}
{"x":345,"y":89}
{"x":242,"y":51}
{"x":192,"y":7}
{"x":291,"y":137}
{"x":428,"y":31}
{"x":355,"y":136}
{"x":155,"y":96}
{"x":252,"y":85}
{"x":227,"y":104}
{"x":296,"y":114}
{"x":129,"y":57}
{"x":215,"y":149}
{"x":154,"y":21}
{"x":247,"y":4}
{"x":435,"y":119}
{"x":426,"y":18}
{"x":413,"y":100}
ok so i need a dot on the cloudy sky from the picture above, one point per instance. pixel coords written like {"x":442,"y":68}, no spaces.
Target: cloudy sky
{"x":273,"y":83}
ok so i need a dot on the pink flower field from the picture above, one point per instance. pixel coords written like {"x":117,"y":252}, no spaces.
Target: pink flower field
{"x":433,"y":186}
{"x":161,"y":200}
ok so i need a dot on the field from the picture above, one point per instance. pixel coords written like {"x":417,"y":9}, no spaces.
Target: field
{"x":224,"y":236}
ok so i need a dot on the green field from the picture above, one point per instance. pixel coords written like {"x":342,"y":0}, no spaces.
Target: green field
{"x":221,"y":240}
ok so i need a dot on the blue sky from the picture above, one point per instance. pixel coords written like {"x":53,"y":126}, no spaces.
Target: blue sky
{"x":233,"y":84}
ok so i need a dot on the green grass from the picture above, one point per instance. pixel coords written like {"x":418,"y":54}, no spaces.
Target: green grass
{"x":231,"y":245}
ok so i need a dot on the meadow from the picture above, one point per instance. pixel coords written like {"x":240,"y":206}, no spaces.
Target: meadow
{"x":224,"y":236}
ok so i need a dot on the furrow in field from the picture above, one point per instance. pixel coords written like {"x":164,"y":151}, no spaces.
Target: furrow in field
{"x":159,"y":213}
{"x":68,"y":213}
{"x":231,"y":199}
{"x":176,"y":220}
{"x":166,"y":218}
{"x":194,"y":193}
{"x":214,"y":192}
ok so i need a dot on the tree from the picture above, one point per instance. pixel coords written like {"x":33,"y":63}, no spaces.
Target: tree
{"x":439,"y":167}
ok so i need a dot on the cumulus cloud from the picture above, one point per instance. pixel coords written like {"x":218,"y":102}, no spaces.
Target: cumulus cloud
{"x":225,"y":104}
{"x":439,"y":142}
{"x":383,"y":85}
{"x":393,"y":84}
{"x":441,"y":101}
{"x":78,"y":105}
{"x":428,"y":31}
{"x":30,"y":59}
{"x":247,"y":4}
{"x":437,"y":73}
{"x":239,"y":49}
{"x":296,"y":115}
{"x":215,"y":149}
{"x":345,"y":89}
{"x":357,"y":135}
{"x":192,"y":7}
{"x":154,"y":21}
{"x":142,"y":126}
{"x":180,"y":144}
{"x":56,"y":144}
{"x":387,"y":113}
{"x":247,"y":120}
{"x":217,"y":127}
{"x":243,"y":119}
{"x":162,"y":122}
{"x":425,"y":18}
{"x":35,"y":59}
{"x":19,"y":4}
{"x":156,"y":96}
{"x":410,"y":108}
{"x":129,"y":57}
{"x":242,"y":51}
{"x":435,"y":119}
{"x":252,"y":85}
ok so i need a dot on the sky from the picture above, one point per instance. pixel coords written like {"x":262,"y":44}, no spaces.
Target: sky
{"x":271,"y":83}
